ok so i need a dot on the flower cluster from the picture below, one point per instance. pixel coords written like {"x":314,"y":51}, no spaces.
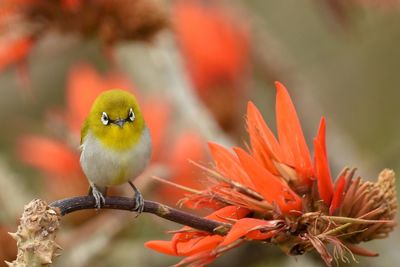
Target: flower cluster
{"x":277,"y":193}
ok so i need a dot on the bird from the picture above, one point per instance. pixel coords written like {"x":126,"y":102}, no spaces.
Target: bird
{"x":115,"y":145}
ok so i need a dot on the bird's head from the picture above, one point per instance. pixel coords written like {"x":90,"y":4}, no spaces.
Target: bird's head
{"x":115,"y":119}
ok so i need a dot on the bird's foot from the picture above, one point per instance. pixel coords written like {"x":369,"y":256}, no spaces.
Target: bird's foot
{"x":139,"y":200}
{"x":98,"y":196}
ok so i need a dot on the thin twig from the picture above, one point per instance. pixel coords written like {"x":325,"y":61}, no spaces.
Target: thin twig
{"x":66,"y":206}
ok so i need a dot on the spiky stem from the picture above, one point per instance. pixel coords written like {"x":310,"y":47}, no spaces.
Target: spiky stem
{"x":39,"y":223}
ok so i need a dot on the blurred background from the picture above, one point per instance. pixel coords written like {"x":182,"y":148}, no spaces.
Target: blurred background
{"x":193,"y":65}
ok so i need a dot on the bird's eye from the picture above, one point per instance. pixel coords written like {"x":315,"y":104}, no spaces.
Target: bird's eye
{"x":131,"y":115}
{"x":104,"y":118}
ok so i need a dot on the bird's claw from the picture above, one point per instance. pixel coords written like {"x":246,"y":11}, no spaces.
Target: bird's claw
{"x":99,"y":198}
{"x":139,"y":200}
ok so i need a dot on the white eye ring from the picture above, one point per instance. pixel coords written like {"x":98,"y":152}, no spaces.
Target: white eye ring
{"x":104,"y":118}
{"x":131,"y":115}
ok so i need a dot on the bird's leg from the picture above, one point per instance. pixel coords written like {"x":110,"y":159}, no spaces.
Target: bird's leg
{"x":139,"y":201}
{"x":98,"y":193}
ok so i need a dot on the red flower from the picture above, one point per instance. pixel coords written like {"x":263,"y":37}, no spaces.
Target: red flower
{"x":187,"y":146}
{"x":276,"y":194}
{"x":157,"y":114}
{"x":14,"y":45}
{"x":194,"y":243}
{"x":213,"y":42}
{"x":49,"y":155}
{"x":14,"y":51}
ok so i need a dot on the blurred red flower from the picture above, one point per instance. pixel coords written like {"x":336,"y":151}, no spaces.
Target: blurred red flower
{"x":187,"y":146}
{"x":215,"y":46}
{"x":14,"y":45}
{"x":276,"y":193}
{"x":14,"y":51}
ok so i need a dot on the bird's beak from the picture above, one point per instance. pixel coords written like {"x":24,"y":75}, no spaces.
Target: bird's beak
{"x":120,"y":122}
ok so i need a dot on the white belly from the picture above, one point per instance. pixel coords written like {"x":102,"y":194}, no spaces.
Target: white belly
{"x":106,"y":167}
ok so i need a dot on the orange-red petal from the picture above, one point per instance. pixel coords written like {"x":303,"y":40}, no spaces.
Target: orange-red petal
{"x":48,"y":155}
{"x":338,"y":193}
{"x":229,"y":165}
{"x":247,"y":226}
{"x":84,"y":85}
{"x":230,"y":212}
{"x":13,"y":52}
{"x":199,"y":244}
{"x":161,"y":246}
{"x":187,"y":146}
{"x":269,"y":186}
{"x":263,"y":142}
{"x":200,"y":259}
{"x":261,"y":235}
{"x":291,"y":137}
{"x":322,"y":172}
{"x":224,"y":214}
{"x":157,"y":113}
{"x":223,"y":58}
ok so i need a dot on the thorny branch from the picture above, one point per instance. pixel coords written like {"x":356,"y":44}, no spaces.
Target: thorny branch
{"x":39,"y":224}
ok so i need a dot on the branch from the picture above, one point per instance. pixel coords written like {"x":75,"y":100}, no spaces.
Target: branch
{"x":39,"y":224}
{"x":69,"y":205}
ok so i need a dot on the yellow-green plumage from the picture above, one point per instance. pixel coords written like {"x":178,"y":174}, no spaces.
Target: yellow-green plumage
{"x":117,"y":103}
{"x":116,"y":148}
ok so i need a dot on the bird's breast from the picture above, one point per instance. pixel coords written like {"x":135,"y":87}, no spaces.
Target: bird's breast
{"x":105,"y":166}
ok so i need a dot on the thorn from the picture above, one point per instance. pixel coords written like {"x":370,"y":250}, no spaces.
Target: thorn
{"x":45,"y":259}
{"x":14,"y":236}
{"x":52,"y":212}
{"x":58,"y":247}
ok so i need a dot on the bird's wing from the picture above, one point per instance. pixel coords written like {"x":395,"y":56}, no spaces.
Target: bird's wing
{"x":84,"y":130}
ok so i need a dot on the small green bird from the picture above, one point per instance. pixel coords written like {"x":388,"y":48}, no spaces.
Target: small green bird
{"x":115,"y":144}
